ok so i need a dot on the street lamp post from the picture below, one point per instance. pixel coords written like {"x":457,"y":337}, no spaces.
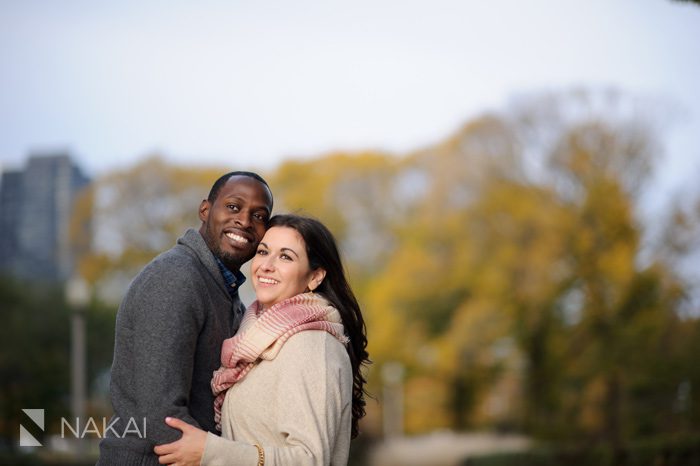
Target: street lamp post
{"x":78,"y":296}
{"x":392,"y":378}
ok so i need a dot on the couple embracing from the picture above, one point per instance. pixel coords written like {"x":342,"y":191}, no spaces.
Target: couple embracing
{"x":280,"y":380}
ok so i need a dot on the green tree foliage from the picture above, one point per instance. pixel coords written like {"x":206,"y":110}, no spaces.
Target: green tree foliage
{"x":35,"y":357}
{"x":34,"y":370}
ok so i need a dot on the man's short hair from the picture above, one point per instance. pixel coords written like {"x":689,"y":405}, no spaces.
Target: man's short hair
{"x":218,"y":184}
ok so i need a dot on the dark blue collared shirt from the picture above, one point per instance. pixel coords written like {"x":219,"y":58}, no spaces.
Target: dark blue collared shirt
{"x":233,"y":280}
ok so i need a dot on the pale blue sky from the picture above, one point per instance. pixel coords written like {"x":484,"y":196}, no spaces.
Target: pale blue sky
{"x":248,"y":83}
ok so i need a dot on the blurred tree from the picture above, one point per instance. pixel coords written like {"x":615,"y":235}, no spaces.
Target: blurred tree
{"x":518,"y":234}
{"x":531,"y":217}
{"x":35,"y":353}
{"x":625,"y":309}
{"x":34,"y":361}
{"x":688,"y":1}
{"x":136,"y":214}
{"x":506,"y":267}
{"x":354,"y":196}
{"x":587,"y":315}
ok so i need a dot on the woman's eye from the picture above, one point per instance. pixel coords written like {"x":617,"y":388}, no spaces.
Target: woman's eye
{"x":286,"y":257}
{"x":261,"y":252}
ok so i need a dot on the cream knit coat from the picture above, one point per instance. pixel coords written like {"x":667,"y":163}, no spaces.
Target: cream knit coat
{"x":297,"y":407}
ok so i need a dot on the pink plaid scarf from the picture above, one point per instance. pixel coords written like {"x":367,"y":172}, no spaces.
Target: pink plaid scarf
{"x":262,"y":334}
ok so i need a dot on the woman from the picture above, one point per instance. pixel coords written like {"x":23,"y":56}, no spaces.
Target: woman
{"x":290,"y":390}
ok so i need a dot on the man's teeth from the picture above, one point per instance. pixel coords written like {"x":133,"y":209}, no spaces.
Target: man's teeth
{"x":236,"y":238}
{"x":268,"y":281}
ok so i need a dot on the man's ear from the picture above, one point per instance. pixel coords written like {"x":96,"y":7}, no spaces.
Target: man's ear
{"x":204,"y":207}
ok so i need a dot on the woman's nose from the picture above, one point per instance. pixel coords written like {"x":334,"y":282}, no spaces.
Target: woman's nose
{"x":268,"y":263}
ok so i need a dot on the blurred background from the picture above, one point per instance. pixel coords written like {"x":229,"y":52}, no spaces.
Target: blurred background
{"x":514,"y":186}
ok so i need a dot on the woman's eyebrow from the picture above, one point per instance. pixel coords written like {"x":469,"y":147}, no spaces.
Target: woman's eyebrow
{"x":290,"y":250}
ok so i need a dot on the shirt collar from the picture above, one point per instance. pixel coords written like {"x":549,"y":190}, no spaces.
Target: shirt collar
{"x":233,"y":280}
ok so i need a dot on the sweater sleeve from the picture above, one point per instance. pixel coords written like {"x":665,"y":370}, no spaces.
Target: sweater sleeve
{"x":157,"y":330}
{"x":309,"y":412}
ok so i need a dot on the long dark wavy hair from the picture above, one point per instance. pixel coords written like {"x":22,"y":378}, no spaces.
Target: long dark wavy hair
{"x":323,"y":252}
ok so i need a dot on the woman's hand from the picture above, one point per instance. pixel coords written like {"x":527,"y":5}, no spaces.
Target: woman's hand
{"x":184,"y":452}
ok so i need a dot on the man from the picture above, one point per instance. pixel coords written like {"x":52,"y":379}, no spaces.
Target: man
{"x":174,"y":318}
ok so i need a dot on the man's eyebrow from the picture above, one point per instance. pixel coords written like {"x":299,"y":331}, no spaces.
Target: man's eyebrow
{"x":243,"y":200}
{"x":232,"y":197}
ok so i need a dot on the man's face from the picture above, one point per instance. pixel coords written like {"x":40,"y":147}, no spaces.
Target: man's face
{"x":234,"y":223}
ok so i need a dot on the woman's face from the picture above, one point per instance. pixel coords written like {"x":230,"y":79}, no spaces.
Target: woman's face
{"x":280,"y":267}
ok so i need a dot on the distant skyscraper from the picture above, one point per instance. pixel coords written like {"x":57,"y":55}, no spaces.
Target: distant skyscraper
{"x":35,"y":209}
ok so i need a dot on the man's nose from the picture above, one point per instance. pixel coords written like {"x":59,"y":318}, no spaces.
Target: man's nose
{"x":243,"y":218}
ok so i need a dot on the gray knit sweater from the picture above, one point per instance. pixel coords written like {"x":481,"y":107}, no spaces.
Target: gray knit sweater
{"x":169,"y":331}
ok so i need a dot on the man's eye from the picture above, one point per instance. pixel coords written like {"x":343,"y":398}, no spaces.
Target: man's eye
{"x":233,"y":207}
{"x":260,"y":217}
